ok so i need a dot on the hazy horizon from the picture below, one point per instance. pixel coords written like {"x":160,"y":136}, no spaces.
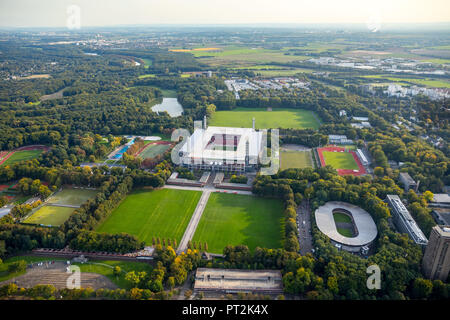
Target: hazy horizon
{"x":104,"y":13}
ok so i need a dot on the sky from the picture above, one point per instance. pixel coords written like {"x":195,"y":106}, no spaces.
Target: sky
{"x":59,"y":13}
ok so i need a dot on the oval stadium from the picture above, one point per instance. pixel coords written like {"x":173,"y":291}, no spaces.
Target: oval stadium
{"x":348,"y":226}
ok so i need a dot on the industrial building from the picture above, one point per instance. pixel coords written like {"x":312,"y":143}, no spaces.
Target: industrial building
{"x":404,"y":221}
{"x":436,"y":260}
{"x":234,"y":281}
{"x":223,"y":149}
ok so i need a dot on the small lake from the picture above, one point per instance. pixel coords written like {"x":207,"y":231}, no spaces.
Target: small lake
{"x":171,"y":106}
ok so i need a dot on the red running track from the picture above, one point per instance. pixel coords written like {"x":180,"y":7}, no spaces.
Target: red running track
{"x":361,"y":169}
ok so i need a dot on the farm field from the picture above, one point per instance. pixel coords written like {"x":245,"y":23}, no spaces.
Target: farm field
{"x":340,"y":160}
{"x":72,"y":197}
{"x":232,"y":219}
{"x":424,"y":82}
{"x":23,"y":156}
{"x":277,"y":118}
{"x":295,"y":159}
{"x":153,"y":150}
{"x":163,"y":213}
{"x":50,"y":216}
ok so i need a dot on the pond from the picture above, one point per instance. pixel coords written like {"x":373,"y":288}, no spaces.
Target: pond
{"x":171,"y":106}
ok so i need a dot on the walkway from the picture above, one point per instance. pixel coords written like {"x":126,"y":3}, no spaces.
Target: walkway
{"x":190,"y":230}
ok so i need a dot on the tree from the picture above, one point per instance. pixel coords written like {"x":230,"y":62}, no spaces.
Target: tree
{"x":17,"y":266}
{"x":117,"y":271}
{"x":188,"y":294}
{"x":378,"y":171}
{"x":421,"y":288}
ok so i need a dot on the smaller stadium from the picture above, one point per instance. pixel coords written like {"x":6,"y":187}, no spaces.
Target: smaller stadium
{"x":346,"y":162}
{"x":348,"y":226}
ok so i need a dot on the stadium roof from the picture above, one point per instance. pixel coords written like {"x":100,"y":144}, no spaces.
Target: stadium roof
{"x":196,"y":145}
{"x":367,"y":230}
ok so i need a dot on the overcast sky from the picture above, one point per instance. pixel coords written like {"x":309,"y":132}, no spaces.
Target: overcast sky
{"x":53,"y":13}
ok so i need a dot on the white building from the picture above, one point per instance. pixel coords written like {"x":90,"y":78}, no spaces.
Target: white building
{"x":222,"y":149}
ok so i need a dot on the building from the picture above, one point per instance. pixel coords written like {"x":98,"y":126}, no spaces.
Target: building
{"x":440,"y":206}
{"x":364,"y":228}
{"x":436,"y":260}
{"x":342,"y":113}
{"x":404,"y":221}
{"x":339,"y":139}
{"x":223,"y":149}
{"x":234,"y":281}
{"x":362,"y":157}
{"x":407,"y":181}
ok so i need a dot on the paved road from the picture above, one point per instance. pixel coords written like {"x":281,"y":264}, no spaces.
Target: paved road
{"x":304,"y":227}
{"x":190,"y":230}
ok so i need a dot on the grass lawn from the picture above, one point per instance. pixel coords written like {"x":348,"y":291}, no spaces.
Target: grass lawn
{"x":50,"y":216}
{"x":295,"y":159}
{"x":340,"y":160}
{"x":345,"y":232}
{"x":153,"y":150}
{"x":424,"y":82}
{"x":106,"y":268}
{"x":74,"y":197}
{"x":341,"y":217}
{"x":232,"y":219}
{"x":163,"y":213}
{"x":277,"y":118}
{"x":22,"y":156}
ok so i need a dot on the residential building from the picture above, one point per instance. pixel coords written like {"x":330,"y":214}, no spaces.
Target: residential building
{"x":436,"y":260}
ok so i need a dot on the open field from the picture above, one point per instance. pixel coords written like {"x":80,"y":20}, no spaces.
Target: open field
{"x":232,"y":219}
{"x":5,"y":275}
{"x":73,"y":197}
{"x":295,"y":159}
{"x":424,"y":82}
{"x":18,"y":156}
{"x":163,"y":213}
{"x":340,"y":160}
{"x":35,"y":76}
{"x":345,"y":232}
{"x":277,"y":118}
{"x":153,"y":150}
{"x":106,"y":268}
{"x":50,"y":216}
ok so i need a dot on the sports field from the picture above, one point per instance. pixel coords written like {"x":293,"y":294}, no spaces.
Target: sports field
{"x":295,"y":159}
{"x":50,"y":216}
{"x":340,"y":160}
{"x":341,"y":217}
{"x":233,"y":219}
{"x":72,"y":197}
{"x":22,"y":156}
{"x":153,"y":150}
{"x":163,"y":213}
{"x":277,"y":118}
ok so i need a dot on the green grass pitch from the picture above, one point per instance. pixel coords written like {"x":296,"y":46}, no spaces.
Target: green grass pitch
{"x":340,"y":160}
{"x":341,"y":217}
{"x":295,"y":159}
{"x":277,"y":118}
{"x":153,"y":150}
{"x":73,"y":197}
{"x":22,"y":156}
{"x":163,"y":213}
{"x":234,"y":219}
{"x":50,"y":216}
{"x":345,"y":232}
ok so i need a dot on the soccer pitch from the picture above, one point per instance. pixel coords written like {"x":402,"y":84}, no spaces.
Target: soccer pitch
{"x":340,"y":160}
{"x":277,"y":118}
{"x":234,"y":219}
{"x":50,"y":216}
{"x":72,"y":197}
{"x":295,"y":159}
{"x":153,"y":150}
{"x":22,"y":156}
{"x":163,"y":213}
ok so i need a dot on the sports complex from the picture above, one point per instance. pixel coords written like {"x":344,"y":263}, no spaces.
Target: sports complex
{"x":21,"y":154}
{"x":346,"y":162}
{"x":348,"y":226}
